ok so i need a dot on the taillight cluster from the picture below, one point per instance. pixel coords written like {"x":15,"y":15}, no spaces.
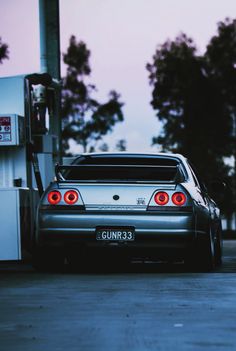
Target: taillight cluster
{"x":70,"y":197}
{"x":178,"y":199}
{"x":162,"y":198}
{"x":54,"y":197}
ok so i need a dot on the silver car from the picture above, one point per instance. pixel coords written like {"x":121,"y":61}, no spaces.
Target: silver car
{"x":127,"y":205}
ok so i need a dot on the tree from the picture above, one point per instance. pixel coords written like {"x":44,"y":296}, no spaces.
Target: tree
{"x":189,"y":105}
{"x":221,"y":58}
{"x":4,"y":52}
{"x":121,"y":145}
{"x":192,"y":103}
{"x":104,"y":147}
{"x":84,"y":118}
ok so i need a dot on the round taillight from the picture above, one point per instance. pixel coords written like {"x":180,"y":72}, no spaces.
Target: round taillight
{"x":71,"y":197}
{"x":54,"y":197}
{"x":161,"y":198}
{"x":178,"y":199}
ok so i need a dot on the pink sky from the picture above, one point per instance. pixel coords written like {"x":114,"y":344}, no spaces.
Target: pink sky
{"x":122,"y":36}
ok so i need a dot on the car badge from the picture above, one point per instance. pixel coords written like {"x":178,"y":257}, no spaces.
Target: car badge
{"x":116,"y":197}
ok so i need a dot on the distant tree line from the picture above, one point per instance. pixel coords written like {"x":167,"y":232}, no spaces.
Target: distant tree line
{"x":195,"y":99}
{"x":194,"y":96}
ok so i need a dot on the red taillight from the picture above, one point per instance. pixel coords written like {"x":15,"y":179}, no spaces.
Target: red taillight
{"x":54,"y":197}
{"x":178,"y":199}
{"x":71,"y":197}
{"x":161,"y":198}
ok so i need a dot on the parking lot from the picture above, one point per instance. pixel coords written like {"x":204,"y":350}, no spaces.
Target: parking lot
{"x":144,"y":307}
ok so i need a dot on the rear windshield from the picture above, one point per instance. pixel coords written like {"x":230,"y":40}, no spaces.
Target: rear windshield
{"x":122,"y":169}
{"x":121,"y":173}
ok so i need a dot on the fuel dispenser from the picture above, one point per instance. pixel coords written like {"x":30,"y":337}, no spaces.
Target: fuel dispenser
{"x":29,"y":147}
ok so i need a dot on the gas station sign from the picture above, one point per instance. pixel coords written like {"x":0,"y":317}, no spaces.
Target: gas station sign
{"x":5,"y":129}
{"x":11,"y":130}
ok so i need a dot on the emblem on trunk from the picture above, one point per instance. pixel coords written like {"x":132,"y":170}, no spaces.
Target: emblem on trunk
{"x":116,"y":197}
{"x":141,"y":201}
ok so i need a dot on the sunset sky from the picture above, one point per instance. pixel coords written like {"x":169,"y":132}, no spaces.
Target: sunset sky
{"x":122,"y":36}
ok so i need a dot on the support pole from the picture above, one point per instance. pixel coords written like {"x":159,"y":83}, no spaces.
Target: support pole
{"x":49,"y":37}
{"x":50,"y":61}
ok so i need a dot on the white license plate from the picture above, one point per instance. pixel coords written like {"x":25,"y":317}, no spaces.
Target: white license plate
{"x":115,"y":234}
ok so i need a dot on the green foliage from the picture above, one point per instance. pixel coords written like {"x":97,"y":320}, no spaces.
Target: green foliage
{"x":195,"y":99}
{"x":4,"y":52}
{"x":84,"y":118}
{"x":104,"y":147}
{"x":121,"y":145}
{"x":221,"y":58}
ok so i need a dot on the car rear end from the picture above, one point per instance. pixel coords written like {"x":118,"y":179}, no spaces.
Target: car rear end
{"x":138,"y":205}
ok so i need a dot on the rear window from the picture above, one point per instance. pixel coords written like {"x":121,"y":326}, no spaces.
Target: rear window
{"x":122,"y":169}
{"x":121,"y":173}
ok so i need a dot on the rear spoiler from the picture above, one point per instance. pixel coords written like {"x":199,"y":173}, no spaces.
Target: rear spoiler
{"x":179,"y":177}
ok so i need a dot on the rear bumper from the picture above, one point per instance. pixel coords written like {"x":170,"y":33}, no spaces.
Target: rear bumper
{"x":160,"y":232}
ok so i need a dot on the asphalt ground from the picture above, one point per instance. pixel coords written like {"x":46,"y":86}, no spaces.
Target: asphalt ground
{"x":144,"y":307}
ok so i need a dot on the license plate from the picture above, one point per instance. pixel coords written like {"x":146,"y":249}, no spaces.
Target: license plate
{"x":115,"y":234}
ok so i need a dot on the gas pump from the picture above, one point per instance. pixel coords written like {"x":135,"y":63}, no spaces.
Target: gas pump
{"x":29,"y":148}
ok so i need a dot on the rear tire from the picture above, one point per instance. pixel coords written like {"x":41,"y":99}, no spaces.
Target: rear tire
{"x":77,"y":260}
{"x":207,"y":255}
{"x":218,"y":247}
{"x":202,"y":258}
{"x":47,"y":260}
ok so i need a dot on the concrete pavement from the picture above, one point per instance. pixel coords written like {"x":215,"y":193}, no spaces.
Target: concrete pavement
{"x":146,"y":309}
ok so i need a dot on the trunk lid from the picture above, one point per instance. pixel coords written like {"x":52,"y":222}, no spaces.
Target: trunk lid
{"x":117,"y":196}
